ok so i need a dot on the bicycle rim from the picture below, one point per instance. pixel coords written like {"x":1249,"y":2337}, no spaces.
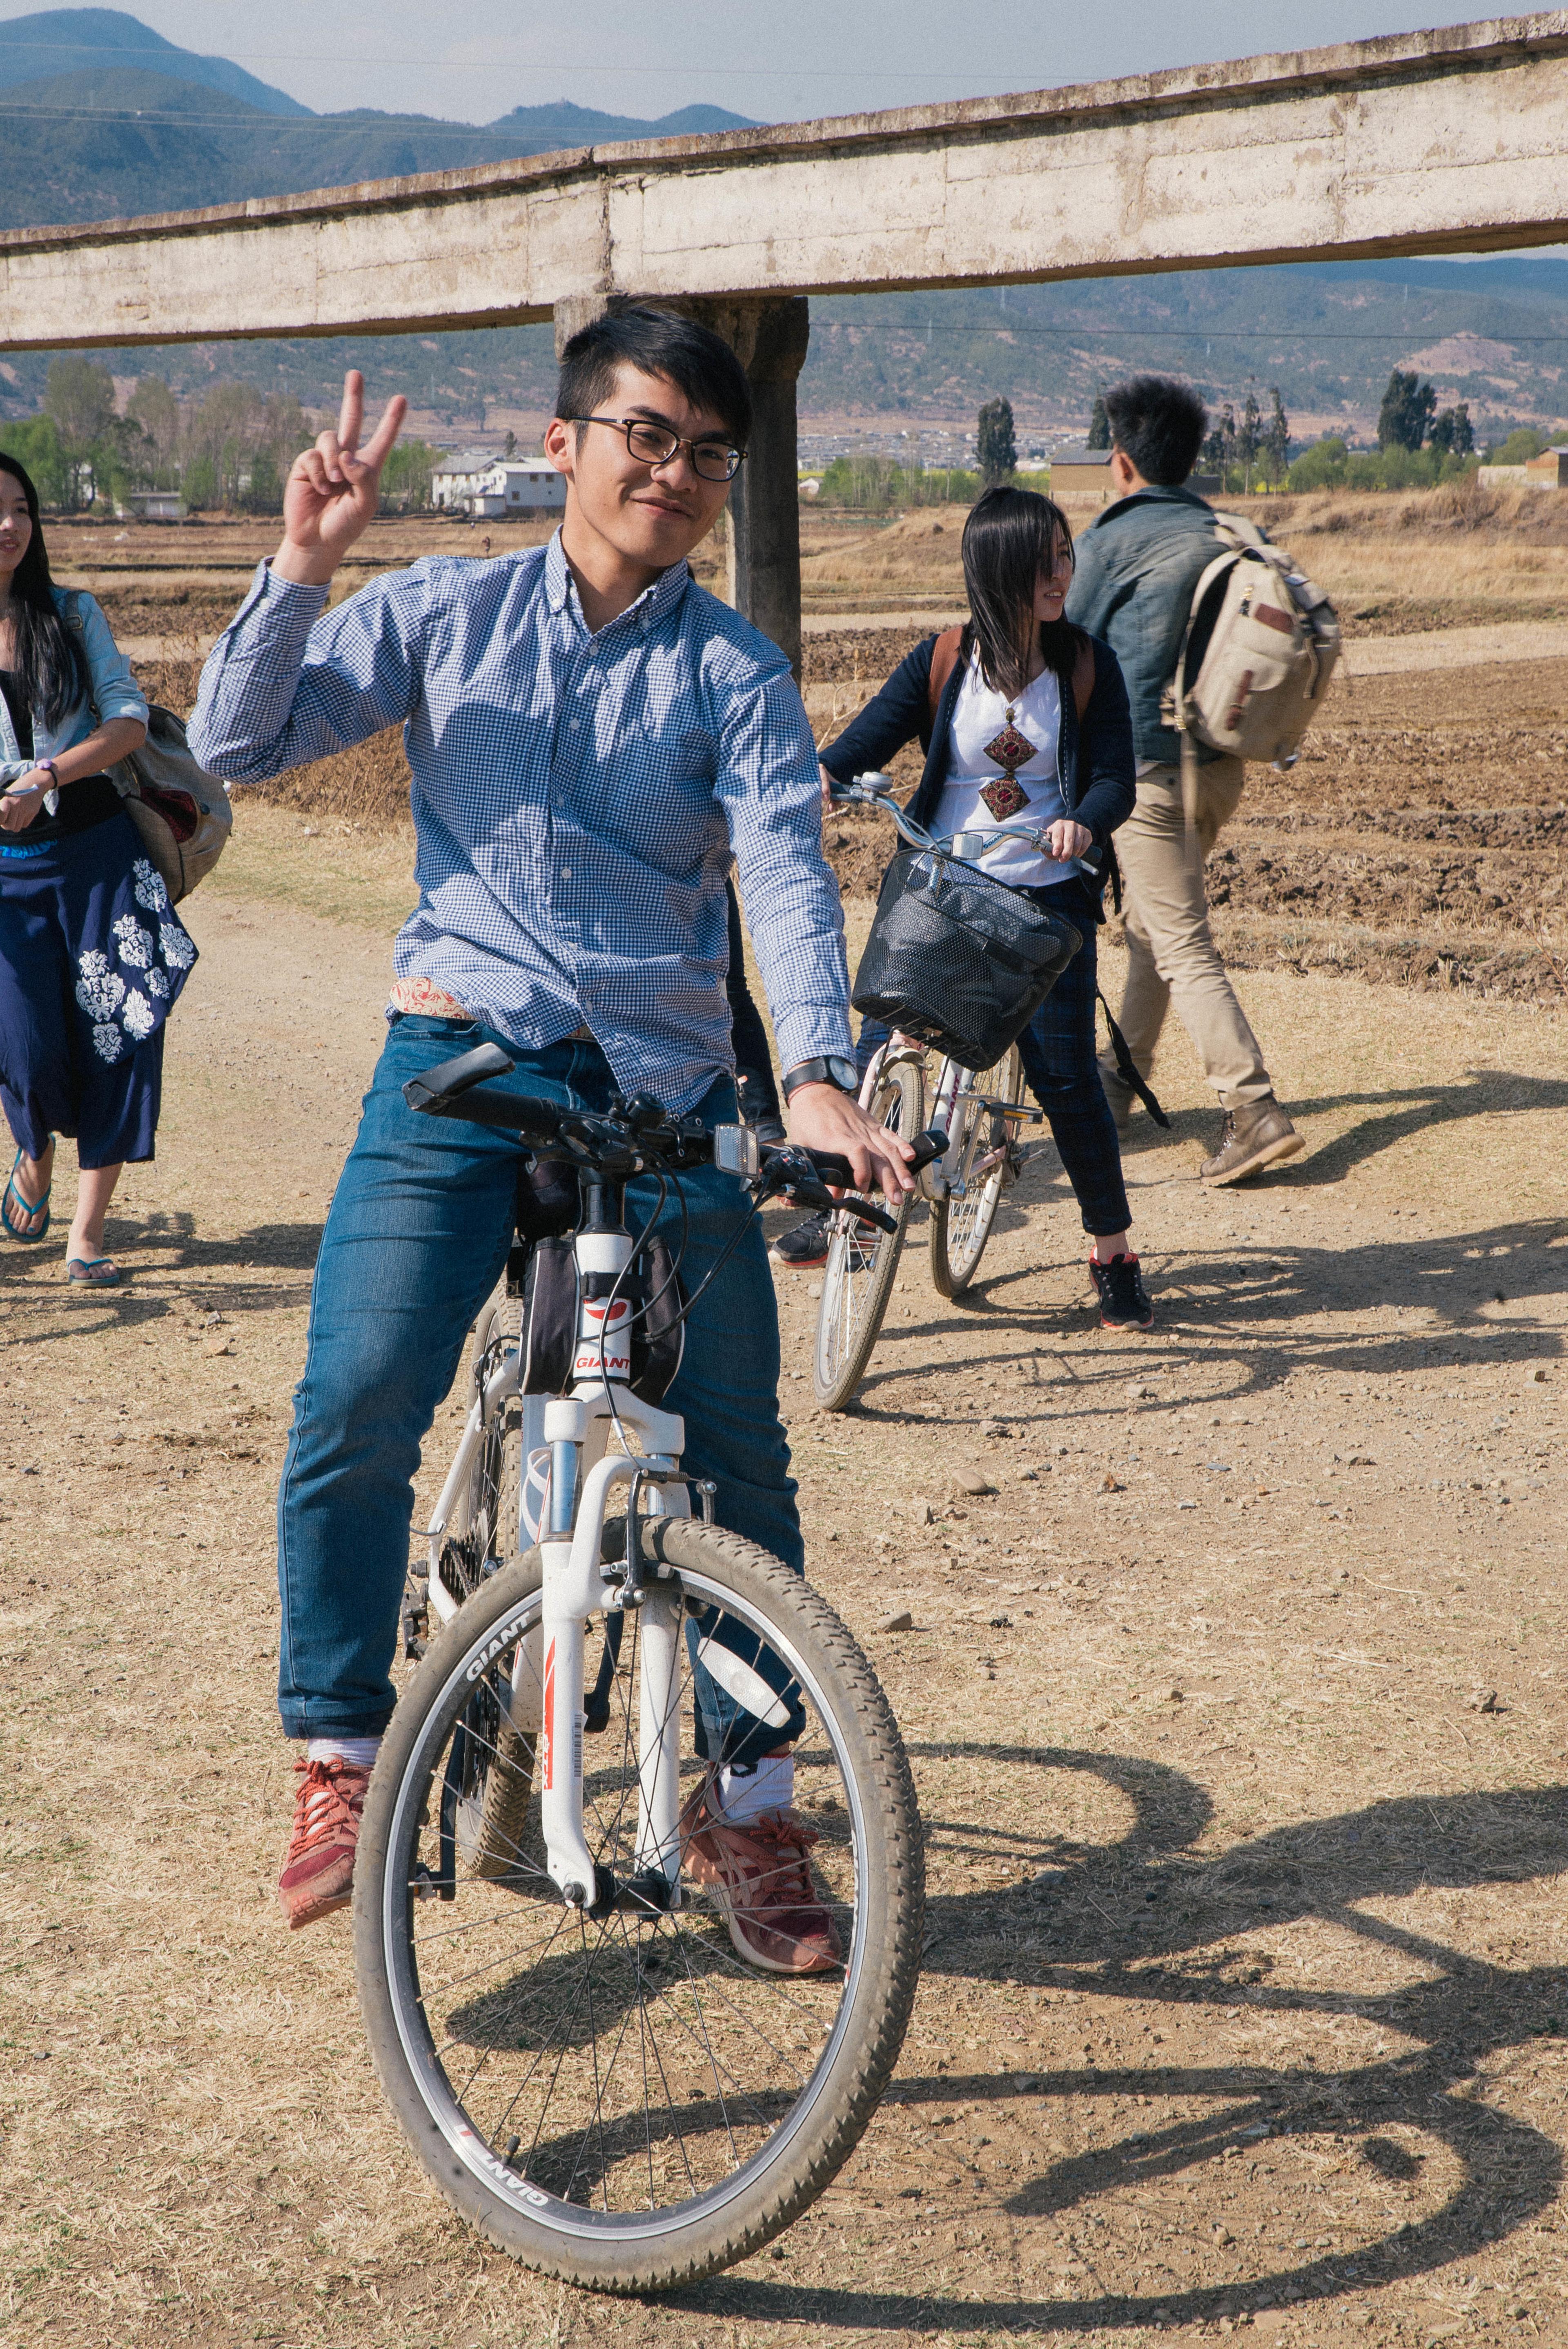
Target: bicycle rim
{"x":858,"y":1277}
{"x":961,"y":1223}
{"x":624,"y":2101}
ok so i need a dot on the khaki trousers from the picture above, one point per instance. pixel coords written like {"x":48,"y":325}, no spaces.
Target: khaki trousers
{"x":1172,"y":954}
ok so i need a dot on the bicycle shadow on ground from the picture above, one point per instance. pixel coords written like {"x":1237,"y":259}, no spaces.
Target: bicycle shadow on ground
{"x":1245,"y":1306}
{"x":1142,"y":1917}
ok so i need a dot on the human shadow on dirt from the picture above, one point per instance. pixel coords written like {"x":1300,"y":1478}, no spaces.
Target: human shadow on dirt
{"x":1145,"y":1918}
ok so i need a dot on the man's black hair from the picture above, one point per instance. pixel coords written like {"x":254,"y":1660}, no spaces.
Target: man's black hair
{"x":1160,"y":424}
{"x":656,"y":342}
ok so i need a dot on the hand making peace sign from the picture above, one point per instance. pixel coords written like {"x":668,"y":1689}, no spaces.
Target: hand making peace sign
{"x":332,"y":488}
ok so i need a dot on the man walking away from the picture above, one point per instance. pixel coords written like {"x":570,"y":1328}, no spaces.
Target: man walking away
{"x":1138,"y":564}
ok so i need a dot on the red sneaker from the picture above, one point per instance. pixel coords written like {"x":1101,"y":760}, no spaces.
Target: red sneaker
{"x":759,"y":1877}
{"x":318,"y":1868}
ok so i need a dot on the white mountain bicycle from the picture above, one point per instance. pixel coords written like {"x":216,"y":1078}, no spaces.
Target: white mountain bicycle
{"x":583,"y":2062}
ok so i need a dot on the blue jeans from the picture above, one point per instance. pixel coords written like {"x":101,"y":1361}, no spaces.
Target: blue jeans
{"x":416,"y":1239}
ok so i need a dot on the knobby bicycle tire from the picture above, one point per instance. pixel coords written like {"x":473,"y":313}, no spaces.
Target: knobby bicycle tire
{"x":857,"y":1278}
{"x":961,"y":1227}
{"x":470,"y":2033}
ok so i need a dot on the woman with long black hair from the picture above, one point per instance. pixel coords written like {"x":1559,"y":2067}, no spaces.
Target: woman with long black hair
{"x":92,"y":954}
{"x":1029,"y":727}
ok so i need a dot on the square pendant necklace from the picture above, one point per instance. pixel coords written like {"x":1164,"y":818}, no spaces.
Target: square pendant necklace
{"x":1010,"y":750}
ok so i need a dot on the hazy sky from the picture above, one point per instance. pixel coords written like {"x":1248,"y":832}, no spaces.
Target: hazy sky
{"x":778,"y":64}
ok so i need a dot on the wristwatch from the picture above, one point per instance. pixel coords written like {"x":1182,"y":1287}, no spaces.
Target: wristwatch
{"x":831,"y":1069}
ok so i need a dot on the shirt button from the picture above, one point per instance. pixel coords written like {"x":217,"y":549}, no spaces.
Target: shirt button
{"x":566,"y":872}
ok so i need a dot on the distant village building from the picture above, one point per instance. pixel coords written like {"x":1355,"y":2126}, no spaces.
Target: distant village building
{"x":1549,"y":471}
{"x":153,"y":505}
{"x":1081,"y":472}
{"x":480,"y":483}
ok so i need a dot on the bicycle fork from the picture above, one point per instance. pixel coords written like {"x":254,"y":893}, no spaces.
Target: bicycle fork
{"x":576,"y":1586}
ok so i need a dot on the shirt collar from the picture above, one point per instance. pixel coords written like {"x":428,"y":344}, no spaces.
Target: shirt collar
{"x":654,"y":603}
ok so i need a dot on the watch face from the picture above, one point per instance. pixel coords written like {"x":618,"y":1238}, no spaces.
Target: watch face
{"x":844,"y":1073}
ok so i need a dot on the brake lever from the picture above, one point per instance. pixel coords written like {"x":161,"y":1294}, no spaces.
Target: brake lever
{"x":791,"y":1172}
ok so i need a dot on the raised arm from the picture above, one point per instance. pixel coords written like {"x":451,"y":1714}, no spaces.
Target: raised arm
{"x":284,"y":684}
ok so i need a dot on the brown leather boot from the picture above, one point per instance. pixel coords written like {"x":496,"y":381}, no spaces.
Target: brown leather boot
{"x":1256,"y":1136}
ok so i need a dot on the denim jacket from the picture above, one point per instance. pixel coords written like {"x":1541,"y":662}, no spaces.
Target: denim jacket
{"x":1094,"y":761}
{"x":114,"y":690}
{"x":1138,"y":563}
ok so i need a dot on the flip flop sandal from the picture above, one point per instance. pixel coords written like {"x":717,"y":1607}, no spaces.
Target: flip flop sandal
{"x":28,"y":1207}
{"x":93,"y":1271}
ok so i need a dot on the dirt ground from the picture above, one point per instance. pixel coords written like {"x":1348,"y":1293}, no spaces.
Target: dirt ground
{"x":1237,"y":1710}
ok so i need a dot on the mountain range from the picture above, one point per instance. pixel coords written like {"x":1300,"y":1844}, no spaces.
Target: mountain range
{"x":101,"y":117}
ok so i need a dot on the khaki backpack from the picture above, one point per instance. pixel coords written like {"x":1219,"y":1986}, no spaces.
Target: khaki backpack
{"x":1261,"y":645}
{"x":181,"y":812}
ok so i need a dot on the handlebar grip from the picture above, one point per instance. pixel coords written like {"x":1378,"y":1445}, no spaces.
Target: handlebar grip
{"x":833,"y":1168}
{"x":479,"y":1104}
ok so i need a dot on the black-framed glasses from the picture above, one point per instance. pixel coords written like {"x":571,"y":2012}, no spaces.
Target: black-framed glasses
{"x":656,"y":444}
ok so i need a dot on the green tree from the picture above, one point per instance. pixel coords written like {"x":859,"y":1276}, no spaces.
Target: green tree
{"x":1522,"y":444}
{"x":36,"y":443}
{"x":1249,"y":438}
{"x":406,"y":476}
{"x":1220,"y":448}
{"x":1406,"y":416}
{"x":79,"y":395}
{"x":154,"y":407}
{"x":1099,"y":424}
{"x":1321,"y":467}
{"x":1276,"y":438}
{"x":997,"y":447}
{"x":1452,"y":432}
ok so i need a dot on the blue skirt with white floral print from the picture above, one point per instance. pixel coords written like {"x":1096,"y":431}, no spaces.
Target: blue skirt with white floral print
{"x":92,"y":958}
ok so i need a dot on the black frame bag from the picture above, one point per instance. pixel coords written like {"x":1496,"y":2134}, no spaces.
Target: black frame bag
{"x":957,"y":960}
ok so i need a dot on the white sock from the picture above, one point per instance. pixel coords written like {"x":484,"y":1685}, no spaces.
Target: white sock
{"x":360,"y":1751}
{"x":768,"y":1786}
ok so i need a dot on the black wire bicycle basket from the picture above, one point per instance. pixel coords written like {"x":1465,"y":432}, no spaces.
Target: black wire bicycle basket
{"x":958,"y":960}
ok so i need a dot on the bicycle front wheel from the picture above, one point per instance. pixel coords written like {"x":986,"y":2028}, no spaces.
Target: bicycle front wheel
{"x":961,"y":1223}
{"x":857,"y":1278}
{"x":622,"y":2101}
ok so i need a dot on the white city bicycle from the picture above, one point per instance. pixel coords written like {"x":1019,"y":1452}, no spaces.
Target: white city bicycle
{"x":906,"y":1086}
{"x":583,"y":2061}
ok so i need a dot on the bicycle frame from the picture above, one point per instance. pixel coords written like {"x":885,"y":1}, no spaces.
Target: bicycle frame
{"x":546,"y":1695}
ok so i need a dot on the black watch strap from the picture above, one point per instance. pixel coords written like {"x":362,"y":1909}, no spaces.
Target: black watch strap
{"x":829,"y":1070}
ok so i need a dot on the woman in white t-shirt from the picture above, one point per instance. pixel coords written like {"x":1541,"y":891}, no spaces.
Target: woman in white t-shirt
{"x":1024,"y":720}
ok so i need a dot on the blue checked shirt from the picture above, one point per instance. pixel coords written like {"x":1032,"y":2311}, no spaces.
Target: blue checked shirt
{"x":577,"y":799}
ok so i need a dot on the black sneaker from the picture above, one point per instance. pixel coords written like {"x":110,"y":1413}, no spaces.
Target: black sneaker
{"x":1124,"y":1302}
{"x":804,"y":1246}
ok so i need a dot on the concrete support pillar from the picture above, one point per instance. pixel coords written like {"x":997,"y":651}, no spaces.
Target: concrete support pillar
{"x":763,"y":540}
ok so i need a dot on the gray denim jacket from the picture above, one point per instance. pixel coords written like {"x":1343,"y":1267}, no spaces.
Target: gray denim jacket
{"x":114,"y":690}
{"x":1138,"y":563}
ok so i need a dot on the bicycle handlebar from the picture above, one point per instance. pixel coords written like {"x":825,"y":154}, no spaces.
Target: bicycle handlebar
{"x":875,"y":790}
{"x":627,"y":1138}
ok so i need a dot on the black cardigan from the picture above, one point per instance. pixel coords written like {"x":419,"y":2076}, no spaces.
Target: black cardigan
{"x":1096,"y":762}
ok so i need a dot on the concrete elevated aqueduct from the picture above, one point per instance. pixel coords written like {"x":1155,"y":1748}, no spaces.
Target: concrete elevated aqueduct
{"x":1443,"y":141}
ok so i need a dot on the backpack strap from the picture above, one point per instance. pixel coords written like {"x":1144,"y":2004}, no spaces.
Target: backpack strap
{"x":1127,"y":1072}
{"x":944,"y":655}
{"x":1083,"y":676}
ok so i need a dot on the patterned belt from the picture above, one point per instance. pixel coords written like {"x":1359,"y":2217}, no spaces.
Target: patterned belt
{"x":425,"y":1000}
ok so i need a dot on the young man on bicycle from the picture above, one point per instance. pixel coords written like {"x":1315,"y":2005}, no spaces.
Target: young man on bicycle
{"x":591,"y":738}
